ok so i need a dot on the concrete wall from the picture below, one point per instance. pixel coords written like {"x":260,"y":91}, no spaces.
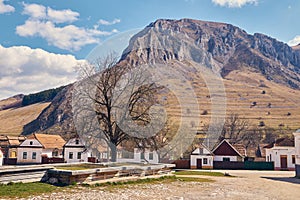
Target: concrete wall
{"x":274,"y":154}
{"x":209,"y":164}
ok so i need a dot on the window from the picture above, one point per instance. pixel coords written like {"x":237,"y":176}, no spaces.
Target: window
{"x":200,"y":151}
{"x":293,"y":159}
{"x":127,"y":154}
{"x":142,"y":156}
{"x":70,"y":155}
{"x":79,"y":155}
{"x":24,"y":155}
{"x":13,"y":154}
{"x":77,"y":141}
{"x":33,"y":155}
{"x":151,"y":156}
{"x":226,"y":159}
{"x":55,"y":153}
{"x":31,"y":142}
{"x":205,"y":161}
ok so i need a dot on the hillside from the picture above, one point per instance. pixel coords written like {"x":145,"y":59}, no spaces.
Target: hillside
{"x":261,"y":75}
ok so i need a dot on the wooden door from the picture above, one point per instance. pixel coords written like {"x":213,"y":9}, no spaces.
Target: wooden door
{"x":199,"y":163}
{"x":283,"y":162}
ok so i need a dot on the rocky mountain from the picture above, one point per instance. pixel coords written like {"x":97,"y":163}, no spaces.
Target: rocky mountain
{"x":255,"y":68}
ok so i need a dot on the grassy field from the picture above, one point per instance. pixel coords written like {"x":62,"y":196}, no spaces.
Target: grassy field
{"x":22,"y":190}
{"x":25,"y":189}
{"x":79,"y":167}
{"x":200,"y":173}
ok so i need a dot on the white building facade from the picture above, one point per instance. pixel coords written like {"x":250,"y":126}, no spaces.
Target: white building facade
{"x":139,"y":156}
{"x":1,"y":158}
{"x":282,"y":156}
{"x":297,"y":152}
{"x":201,"y":158}
{"x":30,"y":152}
{"x":75,"y":151}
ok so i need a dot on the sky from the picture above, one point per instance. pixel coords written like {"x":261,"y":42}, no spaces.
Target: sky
{"x":43,"y":41}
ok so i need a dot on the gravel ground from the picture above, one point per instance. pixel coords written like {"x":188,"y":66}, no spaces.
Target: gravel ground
{"x":246,"y":185}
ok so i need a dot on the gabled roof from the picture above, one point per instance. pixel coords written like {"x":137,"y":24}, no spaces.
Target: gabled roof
{"x":50,"y":141}
{"x":197,"y":150}
{"x":282,"y":142}
{"x":225,"y":148}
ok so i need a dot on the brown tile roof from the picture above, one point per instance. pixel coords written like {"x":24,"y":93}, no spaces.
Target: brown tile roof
{"x":282,"y":142}
{"x":50,"y":141}
{"x":240,"y":148}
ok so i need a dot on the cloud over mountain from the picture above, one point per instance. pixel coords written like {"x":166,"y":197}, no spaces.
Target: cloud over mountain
{"x":25,"y":70}
{"x":54,"y":26}
{"x":234,"y":3}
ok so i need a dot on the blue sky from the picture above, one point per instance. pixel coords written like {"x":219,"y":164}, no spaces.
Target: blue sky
{"x":41,"y":41}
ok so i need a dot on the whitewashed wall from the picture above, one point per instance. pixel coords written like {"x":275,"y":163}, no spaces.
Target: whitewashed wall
{"x":220,"y":158}
{"x":75,"y":151}
{"x":29,"y":151}
{"x":1,"y":158}
{"x":297,"y":147}
{"x":274,"y":154}
{"x":194,"y":158}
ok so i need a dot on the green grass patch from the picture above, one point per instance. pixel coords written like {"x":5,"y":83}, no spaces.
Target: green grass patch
{"x":79,"y":167}
{"x":25,"y":189}
{"x":200,"y":173}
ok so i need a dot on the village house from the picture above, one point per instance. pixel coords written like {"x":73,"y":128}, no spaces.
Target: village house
{"x":139,"y":156}
{"x":39,"y":148}
{"x":1,"y":158}
{"x":282,"y":153}
{"x":297,"y":152}
{"x":9,"y":145}
{"x":75,"y":151}
{"x":201,"y":158}
{"x":226,"y":152}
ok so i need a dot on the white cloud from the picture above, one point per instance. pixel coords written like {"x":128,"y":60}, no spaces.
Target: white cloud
{"x":234,"y":3}
{"x":62,"y":16}
{"x":43,"y":22}
{"x":35,"y":11}
{"x":4,"y":8}
{"x":105,"y":22}
{"x":294,"y":41}
{"x":25,"y":70}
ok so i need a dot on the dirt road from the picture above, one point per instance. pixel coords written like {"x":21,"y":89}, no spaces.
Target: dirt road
{"x":262,"y":185}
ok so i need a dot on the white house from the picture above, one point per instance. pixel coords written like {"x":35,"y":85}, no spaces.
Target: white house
{"x":297,"y":152}
{"x":139,"y":156}
{"x":282,"y":153}
{"x":201,"y":158}
{"x":38,"y":147}
{"x":76,"y":151}
{"x":1,"y":158}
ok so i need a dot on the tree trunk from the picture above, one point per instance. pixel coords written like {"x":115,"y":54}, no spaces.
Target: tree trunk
{"x":113,"y":149}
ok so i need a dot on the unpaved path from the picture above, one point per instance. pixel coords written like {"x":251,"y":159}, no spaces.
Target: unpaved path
{"x":262,"y":185}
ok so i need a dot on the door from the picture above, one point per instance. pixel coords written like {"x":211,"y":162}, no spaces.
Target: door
{"x":283,"y":162}
{"x":199,"y":163}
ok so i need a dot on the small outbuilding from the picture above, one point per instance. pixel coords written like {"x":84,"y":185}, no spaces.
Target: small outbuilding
{"x":1,"y":158}
{"x":75,"y":151}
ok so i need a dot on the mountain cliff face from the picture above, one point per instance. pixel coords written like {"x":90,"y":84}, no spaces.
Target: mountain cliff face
{"x":224,"y":47}
{"x":230,"y":47}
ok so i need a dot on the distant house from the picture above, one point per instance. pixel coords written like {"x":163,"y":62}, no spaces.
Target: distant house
{"x":38,"y":148}
{"x":282,"y":153}
{"x":138,"y":156}
{"x":226,"y":152}
{"x":75,"y":151}
{"x":9,"y":145}
{"x":297,"y":152}
{"x":201,"y":158}
{"x":1,"y":158}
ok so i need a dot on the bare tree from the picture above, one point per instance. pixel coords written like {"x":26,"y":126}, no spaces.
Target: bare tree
{"x":234,"y":128}
{"x":104,"y":85}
